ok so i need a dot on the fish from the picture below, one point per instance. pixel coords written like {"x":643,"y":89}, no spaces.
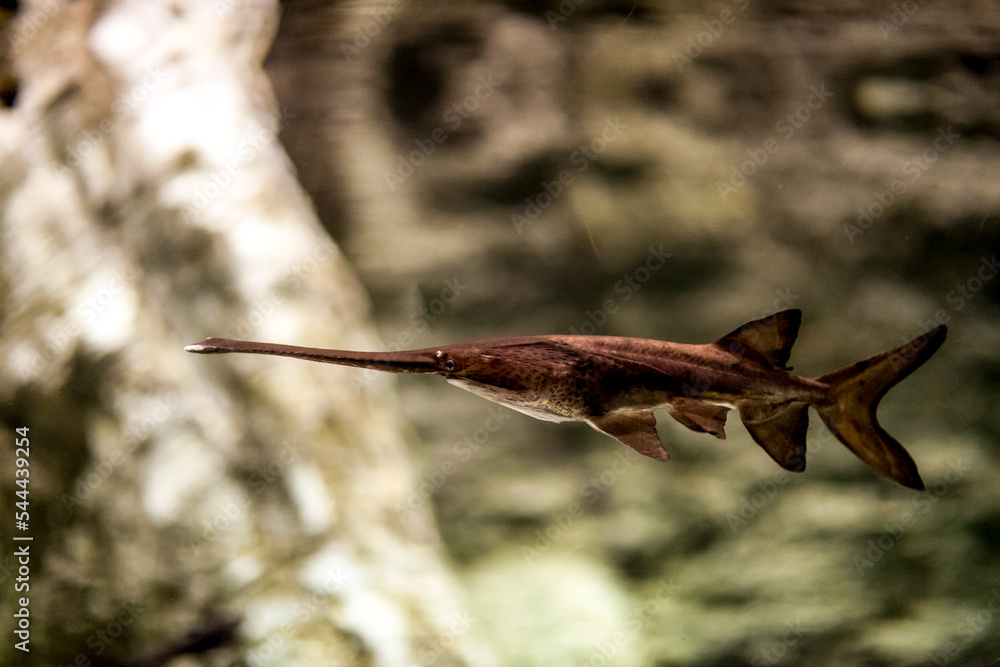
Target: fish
{"x":614,"y":383}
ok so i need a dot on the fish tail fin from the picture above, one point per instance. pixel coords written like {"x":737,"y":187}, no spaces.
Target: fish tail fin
{"x":854,"y":395}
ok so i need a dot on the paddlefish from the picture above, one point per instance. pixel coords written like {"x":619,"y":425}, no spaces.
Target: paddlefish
{"x":614,"y":383}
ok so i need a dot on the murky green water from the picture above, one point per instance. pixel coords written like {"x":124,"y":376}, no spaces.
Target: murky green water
{"x":682,"y":199}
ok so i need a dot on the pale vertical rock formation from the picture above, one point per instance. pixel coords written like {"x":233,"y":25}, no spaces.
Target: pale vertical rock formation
{"x":238,"y":508}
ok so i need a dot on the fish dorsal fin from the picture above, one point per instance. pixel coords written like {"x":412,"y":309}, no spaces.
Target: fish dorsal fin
{"x":770,"y":338}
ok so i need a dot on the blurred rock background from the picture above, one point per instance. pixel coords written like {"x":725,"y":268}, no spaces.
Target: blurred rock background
{"x":659,"y":169}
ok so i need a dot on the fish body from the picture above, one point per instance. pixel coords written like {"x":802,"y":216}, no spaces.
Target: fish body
{"x":614,"y":384}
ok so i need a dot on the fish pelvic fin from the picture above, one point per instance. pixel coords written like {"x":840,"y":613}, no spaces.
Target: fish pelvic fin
{"x":700,"y":416}
{"x":769,"y":339}
{"x":779,"y":429}
{"x":854,"y":395}
{"x":635,"y":428}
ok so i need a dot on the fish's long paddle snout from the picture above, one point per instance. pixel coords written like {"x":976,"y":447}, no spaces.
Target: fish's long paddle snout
{"x":415,"y":361}
{"x":213,"y":346}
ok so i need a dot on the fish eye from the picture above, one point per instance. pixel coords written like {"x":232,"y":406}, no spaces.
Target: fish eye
{"x":449,"y":364}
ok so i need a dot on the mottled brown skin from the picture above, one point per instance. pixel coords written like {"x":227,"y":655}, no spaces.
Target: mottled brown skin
{"x":613,"y":383}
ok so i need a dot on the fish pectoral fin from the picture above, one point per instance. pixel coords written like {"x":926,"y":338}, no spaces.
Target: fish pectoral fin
{"x":700,"y":416}
{"x":770,"y":339}
{"x":635,"y":428}
{"x":779,"y":429}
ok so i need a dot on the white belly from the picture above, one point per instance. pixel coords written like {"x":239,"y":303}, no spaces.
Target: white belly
{"x":512,"y":399}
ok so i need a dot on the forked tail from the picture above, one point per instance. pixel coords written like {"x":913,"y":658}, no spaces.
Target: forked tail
{"x":854,"y":395}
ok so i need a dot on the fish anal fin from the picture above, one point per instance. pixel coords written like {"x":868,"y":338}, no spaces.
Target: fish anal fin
{"x":635,"y":428}
{"x":780,"y":430}
{"x":700,"y":416}
{"x":770,"y":338}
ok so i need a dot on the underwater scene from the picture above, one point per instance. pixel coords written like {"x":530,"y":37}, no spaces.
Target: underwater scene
{"x":391,"y":176}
